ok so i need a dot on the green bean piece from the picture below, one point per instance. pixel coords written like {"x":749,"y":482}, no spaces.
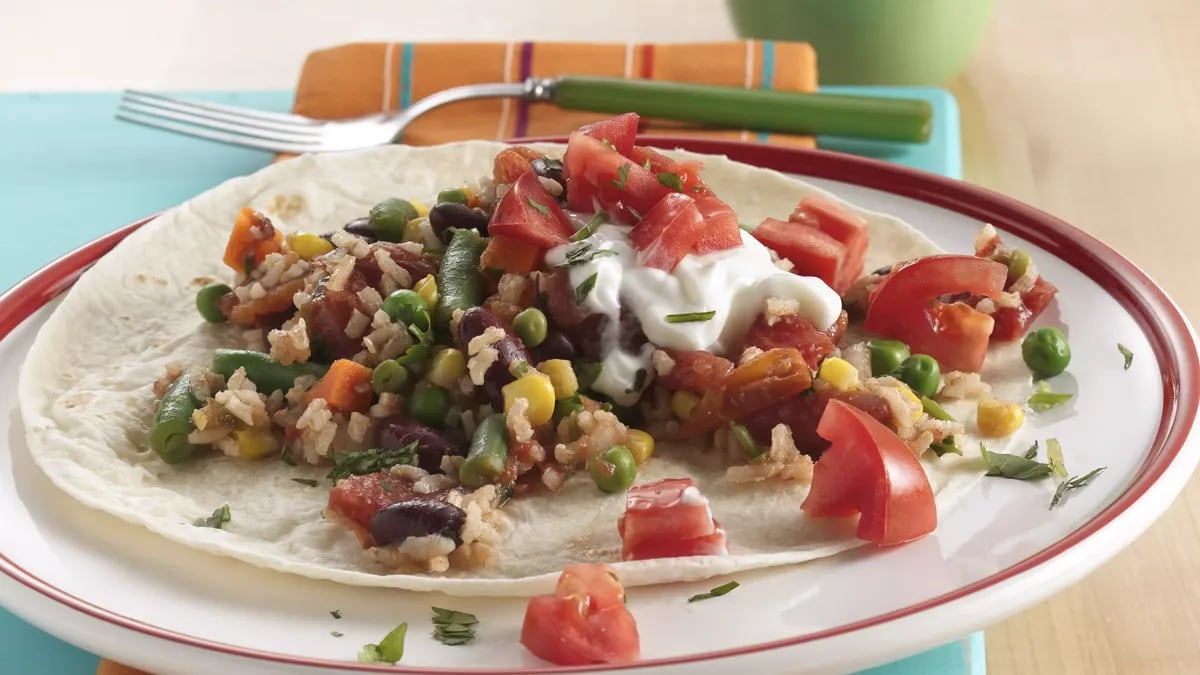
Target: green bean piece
{"x":173,"y":422}
{"x":886,"y":356}
{"x":409,"y":308}
{"x":456,"y":196}
{"x":266,"y":373}
{"x":429,"y":406}
{"x":530,"y":325}
{"x":389,"y":377}
{"x":1046,"y":351}
{"x":388,"y":218}
{"x":207,"y":300}
{"x":613,"y":470}
{"x":935,"y":410}
{"x":487,"y":453}
{"x":565,"y":406}
{"x":921,"y":373}
{"x":458,"y":280}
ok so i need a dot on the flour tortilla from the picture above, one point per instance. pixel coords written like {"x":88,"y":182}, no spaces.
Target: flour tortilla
{"x":87,"y":401}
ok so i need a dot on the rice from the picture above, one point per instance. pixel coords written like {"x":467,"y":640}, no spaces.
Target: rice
{"x":512,"y":288}
{"x":317,"y":430}
{"x":749,"y":354}
{"x":388,"y":405}
{"x":357,"y":324}
{"x":1008,"y":300}
{"x":782,"y":263}
{"x":399,"y":276}
{"x":986,"y":305}
{"x":242,"y":400}
{"x":357,"y":246}
{"x":959,"y":385}
{"x":300,"y":299}
{"x":517,"y":420}
{"x":598,"y":431}
{"x":255,"y":340}
{"x":358,"y":427}
{"x":662,"y":362}
{"x":289,"y":343}
{"x":985,"y":236}
{"x":552,"y":186}
{"x":280,"y":268}
{"x":257,"y":291}
{"x":554,"y":476}
{"x":387,"y":340}
{"x":782,"y":460}
{"x":859,"y":356}
{"x":904,"y":409}
{"x":777,"y":308}
{"x":481,"y":353}
{"x":370,"y":300}
{"x":341,"y":273}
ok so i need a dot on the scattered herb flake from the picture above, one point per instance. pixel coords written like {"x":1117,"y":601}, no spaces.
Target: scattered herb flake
{"x":584,"y":253}
{"x":335,"y":613}
{"x":1055,"y":458}
{"x":336,"y":633}
{"x":1032,"y":451}
{"x":305,"y":481}
{"x":217,"y":520}
{"x":935,"y":410}
{"x":369,"y":461}
{"x":1073,"y":484}
{"x":639,"y":381}
{"x":389,"y":650}
{"x":691,"y":317}
{"x":452,"y":627}
{"x":585,"y":288}
{"x":286,"y":457}
{"x":670,"y":180}
{"x":716,"y":592}
{"x":505,"y":493}
{"x":592,"y":225}
{"x":1126,"y":353}
{"x":1016,"y":467}
{"x":746,"y":441}
{"x":609,"y":144}
{"x":622,"y":176}
{"x":946,"y":447}
{"x":538,"y":206}
{"x":646,"y":164}
{"x":634,"y":212}
{"x":1043,"y":399}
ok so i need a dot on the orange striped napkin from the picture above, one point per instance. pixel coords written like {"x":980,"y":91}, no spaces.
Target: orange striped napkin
{"x":364,"y":78}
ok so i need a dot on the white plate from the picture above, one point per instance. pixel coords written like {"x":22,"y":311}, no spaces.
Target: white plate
{"x":117,"y":590}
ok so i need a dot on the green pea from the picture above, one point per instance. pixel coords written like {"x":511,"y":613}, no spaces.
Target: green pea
{"x":389,"y":377}
{"x":565,"y":406}
{"x":487,"y":453}
{"x":530,"y":325}
{"x":456,"y":196}
{"x":614,"y":469}
{"x":1018,"y":265}
{"x":409,"y":308}
{"x":886,"y":356}
{"x":921,"y":373}
{"x":207,"y":299}
{"x":1046,"y":351}
{"x":429,"y":406}
{"x":388,"y":218}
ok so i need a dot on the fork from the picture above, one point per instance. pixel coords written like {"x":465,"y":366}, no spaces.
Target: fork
{"x":890,"y":119}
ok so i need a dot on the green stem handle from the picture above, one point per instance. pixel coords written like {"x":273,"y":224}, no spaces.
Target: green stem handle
{"x":886,"y":119}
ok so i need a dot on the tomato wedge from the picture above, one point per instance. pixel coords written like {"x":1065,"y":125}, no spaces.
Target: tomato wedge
{"x":842,"y":224}
{"x":721,"y":229}
{"x":668,"y":519}
{"x":528,"y":213}
{"x":869,"y":470}
{"x":584,"y":621}
{"x":619,"y":131}
{"x":668,"y":232}
{"x":906,"y":307}
{"x":599,"y":177}
{"x":752,"y":386}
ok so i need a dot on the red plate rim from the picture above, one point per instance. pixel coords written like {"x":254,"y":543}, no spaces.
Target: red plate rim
{"x":1165,"y":327}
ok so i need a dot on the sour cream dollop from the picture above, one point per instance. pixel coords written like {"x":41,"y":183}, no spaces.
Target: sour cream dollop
{"x":732,"y":284}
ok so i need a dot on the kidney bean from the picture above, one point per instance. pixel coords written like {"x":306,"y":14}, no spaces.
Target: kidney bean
{"x":552,"y":169}
{"x":449,"y":214}
{"x":393,"y":524}
{"x":555,"y":346}
{"x":509,"y":349}
{"x":397,"y":431}
{"x":361,"y":227}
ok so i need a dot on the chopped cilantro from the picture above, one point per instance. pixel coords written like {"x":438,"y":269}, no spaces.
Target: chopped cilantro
{"x":305,"y":481}
{"x":1073,"y":484}
{"x":1016,"y":467}
{"x":217,"y":520}
{"x":335,"y":613}
{"x":538,"y":206}
{"x":945,"y":447}
{"x":389,"y":650}
{"x":716,"y":592}
{"x":691,"y":317}
{"x":1126,"y":353}
{"x":369,"y":461}
{"x":452,"y":627}
{"x":670,"y":180}
{"x":1043,"y":399}
{"x":584,"y":253}
{"x":622,"y":176}
{"x":588,"y":230}
{"x":639,"y":381}
{"x":584,"y":289}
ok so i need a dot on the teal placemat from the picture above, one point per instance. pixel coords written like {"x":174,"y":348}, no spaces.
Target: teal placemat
{"x":69,"y":173}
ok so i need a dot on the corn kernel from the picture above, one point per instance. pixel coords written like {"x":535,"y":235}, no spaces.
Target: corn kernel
{"x":413,"y":232}
{"x":562,"y":376}
{"x":308,"y":246}
{"x":537,"y":390}
{"x":641,"y":444}
{"x":447,"y":367}
{"x":422,"y":210}
{"x":255,"y":443}
{"x":839,"y":374}
{"x":428,"y":290}
{"x":916,"y":400}
{"x":998,"y":418}
{"x":682,"y":403}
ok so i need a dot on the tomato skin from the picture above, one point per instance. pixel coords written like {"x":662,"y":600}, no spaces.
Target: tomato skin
{"x":840,"y":223}
{"x":796,"y":332}
{"x":517,"y":217}
{"x":869,"y":470}
{"x":585,"y":620}
{"x":905,"y":307}
{"x":811,"y":251}
{"x":620,"y":131}
{"x":598,"y":175}
{"x":760,"y":382}
{"x":668,"y":232}
{"x":662,"y":521}
{"x":688,"y":170}
{"x":721,"y":229}
{"x":695,"y":370}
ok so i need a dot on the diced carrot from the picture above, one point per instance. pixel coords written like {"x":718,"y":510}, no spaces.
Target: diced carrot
{"x":345,"y":388}
{"x":253,"y":238}
{"x":511,"y":163}
{"x":511,"y":255}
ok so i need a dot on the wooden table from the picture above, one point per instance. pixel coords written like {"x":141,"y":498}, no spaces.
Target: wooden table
{"x":1090,"y":109}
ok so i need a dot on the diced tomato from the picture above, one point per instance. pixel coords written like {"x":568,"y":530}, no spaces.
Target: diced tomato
{"x":598,"y":176}
{"x":840,"y":223}
{"x":687,"y":170}
{"x":752,"y":386}
{"x":906,"y":307}
{"x":619,"y":131}
{"x":527,"y":212}
{"x":584,"y":621}
{"x":356,"y":499}
{"x":668,"y":232}
{"x":812,"y":252}
{"x":668,"y":519}
{"x":869,"y":470}
{"x":696,"y":371}
{"x":797,"y":332}
{"x":511,"y":255}
{"x":721,"y":230}
{"x":802,"y":413}
{"x":1013,"y":322}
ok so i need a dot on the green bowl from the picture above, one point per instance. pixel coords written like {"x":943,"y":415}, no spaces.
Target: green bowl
{"x":913,"y":42}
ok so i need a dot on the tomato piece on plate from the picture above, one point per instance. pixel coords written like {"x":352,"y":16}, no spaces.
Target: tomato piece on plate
{"x":696,"y":371}
{"x":584,"y":621}
{"x":869,"y":470}
{"x":811,"y":252}
{"x":686,"y":170}
{"x":668,"y":232}
{"x":756,"y":384}
{"x":842,"y":224}
{"x":619,"y":131}
{"x":906,"y":307}
{"x":668,"y":519}
{"x":721,"y":229}
{"x":797,"y":332}
{"x":528,"y":213}
{"x":599,"y":177}
{"x":1013,"y":322}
